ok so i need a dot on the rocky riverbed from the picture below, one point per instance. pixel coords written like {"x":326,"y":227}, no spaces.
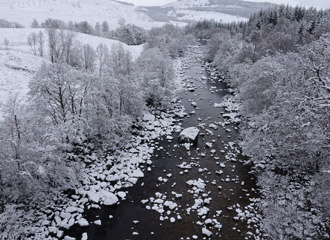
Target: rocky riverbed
{"x":178,"y":190}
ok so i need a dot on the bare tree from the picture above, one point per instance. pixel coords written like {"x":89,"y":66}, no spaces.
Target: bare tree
{"x":88,"y":57}
{"x":36,"y":42}
{"x":6,"y":43}
{"x":102,"y":52}
{"x":41,"y":41}
{"x":155,"y":71}
{"x":98,"y":29}
{"x":105,"y":27}
{"x":66,"y":44}
{"x":33,"y":41}
{"x":35,"y":24}
{"x":60,"y":43}
{"x":53,"y":43}
{"x":121,"y":69}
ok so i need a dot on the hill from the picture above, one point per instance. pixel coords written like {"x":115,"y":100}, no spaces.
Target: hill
{"x":219,"y":10}
{"x":18,"y":64}
{"x":24,"y":11}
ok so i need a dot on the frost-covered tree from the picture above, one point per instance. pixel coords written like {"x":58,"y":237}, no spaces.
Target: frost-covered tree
{"x":31,"y":164}
{"x":285,"y":101}
{"x":105,"y":27}
{"x":88,"y":57}
{"x":60,"y":42}
{"x":36,"y":43}
{"x":114,"y":97}
{"x":35,"y":24}
{"x":57,"y":92}
{"x":6,"y":43}
{"x":155,"y":70}
{"x":279,"y":63}
{"x":121,"y":69}
{"x":41,"y":42}
{"x":129,"y":34}
{"x":169,"y":39}
{"x":102,"y":54}
{"x":98,"y":29}
{"x":84,"y":27}
{"x":32,"y":41}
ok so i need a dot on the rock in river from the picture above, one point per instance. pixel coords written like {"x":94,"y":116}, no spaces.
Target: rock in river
{"x":189,"y":135}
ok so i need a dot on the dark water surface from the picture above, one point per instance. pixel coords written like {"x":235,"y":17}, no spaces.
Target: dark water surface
{"x":165,"y":161}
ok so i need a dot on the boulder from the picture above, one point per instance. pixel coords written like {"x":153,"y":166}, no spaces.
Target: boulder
{"x":189,"y":135}
{"x":109,"y":198}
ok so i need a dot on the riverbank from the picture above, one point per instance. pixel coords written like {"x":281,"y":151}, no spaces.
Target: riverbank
{"x":188,"y":191}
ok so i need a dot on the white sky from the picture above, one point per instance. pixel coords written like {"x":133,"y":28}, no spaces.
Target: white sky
{"x":307,"y":3}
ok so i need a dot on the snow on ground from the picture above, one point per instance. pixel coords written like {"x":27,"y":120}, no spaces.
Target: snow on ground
{"x":24,"y":11}
{"x":192,"y":15}
{"x":18,"y":64}
{"x":102,"y":186}
{"x":106,"y":175}
{"x":17,"y":38}
{"x":178,"y":24}
{"x":16,"y":70}
{"x":187,"y":3}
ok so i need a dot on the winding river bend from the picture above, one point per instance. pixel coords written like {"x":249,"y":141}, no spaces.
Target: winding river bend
{"x":189,"y":194}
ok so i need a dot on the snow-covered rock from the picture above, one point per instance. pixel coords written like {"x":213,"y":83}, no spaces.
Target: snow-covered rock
{"x":206,"y":232}
{"x":97,"y":222}
{"x":137,"y":173}
{"x":84,"y":236}
{"x":189,"y":135}
{"x":83,"y":222}
{"x":110,"y":198}
{"x":93,"y":196}
{"x":71,"y":209}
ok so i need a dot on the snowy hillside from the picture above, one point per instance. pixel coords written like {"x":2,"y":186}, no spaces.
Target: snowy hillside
{"x":24,"y":11}
{"x":188,"y":4}
{"x":16,"y":70}
{"x":219,"y":10}
{"x":194,"y":15}
{"x":18,"y":64}
{"x":17,"y":38}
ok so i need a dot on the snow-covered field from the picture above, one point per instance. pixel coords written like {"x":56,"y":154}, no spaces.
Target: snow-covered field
{"x":18,"y":64}
{"x":192,"y":15}
{"x":24,"y":11}
{"x":188,"y":3}
{"x":16,"y":70}
{"x":17,"y":38}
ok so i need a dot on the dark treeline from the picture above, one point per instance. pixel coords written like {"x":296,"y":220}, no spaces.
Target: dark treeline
{"x":278,"y":62}
{"x":7,"y":24}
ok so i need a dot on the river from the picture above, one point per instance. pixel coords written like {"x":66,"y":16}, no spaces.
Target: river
{"x":221,"y":184}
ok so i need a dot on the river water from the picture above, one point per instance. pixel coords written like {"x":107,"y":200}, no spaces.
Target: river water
{"x":132,"y":219}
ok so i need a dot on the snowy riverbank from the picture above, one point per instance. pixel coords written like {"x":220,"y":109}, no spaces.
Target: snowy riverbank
{"x":103,"y":177}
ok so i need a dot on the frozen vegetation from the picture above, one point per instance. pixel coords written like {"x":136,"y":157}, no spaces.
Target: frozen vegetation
{"x":279,"y":69}
{"x":77,"y":124}
{"x":226,"y":140}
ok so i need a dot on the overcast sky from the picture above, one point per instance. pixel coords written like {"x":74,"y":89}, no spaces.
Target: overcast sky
{"x":307,"y":3}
